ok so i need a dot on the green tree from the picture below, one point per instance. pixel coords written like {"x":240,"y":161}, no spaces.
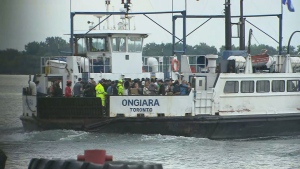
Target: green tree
{"x":32,"y":48}
{"x":51,"y":47}
{"x":222,"y":49}
{"x":10,"y":61}
{"x":258,"y":49}
{"x":153,"y":49}
{"x":203,"y":48}
{"x":293,"y":50}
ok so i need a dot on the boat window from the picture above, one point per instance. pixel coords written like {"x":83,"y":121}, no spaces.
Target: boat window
{"x":101,"y":65}
{"x":262,"y":86}
{"x":134,"y":44}
{"x":247,"y":86}
{"x":97,"y":44}
{"x":293,"y":85}
{"x":119,"y":44}
{"x":278,"y":86}
{"x":80,"y":46}
{"x":231,"y":87}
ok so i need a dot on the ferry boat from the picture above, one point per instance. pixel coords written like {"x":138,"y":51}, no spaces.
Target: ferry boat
{"x":240,"y":97}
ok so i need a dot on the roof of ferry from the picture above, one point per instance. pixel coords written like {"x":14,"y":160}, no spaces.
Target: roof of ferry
{"x":82,"y":33}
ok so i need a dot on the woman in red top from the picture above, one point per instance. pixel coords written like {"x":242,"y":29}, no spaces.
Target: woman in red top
{"x":68,"y":90}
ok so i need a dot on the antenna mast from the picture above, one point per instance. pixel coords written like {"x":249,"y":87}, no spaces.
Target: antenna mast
{"x":107,"y":3}
{"x":127,"y":9}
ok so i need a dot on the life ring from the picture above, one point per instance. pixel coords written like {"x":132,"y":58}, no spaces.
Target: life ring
{"x":175,"y":68}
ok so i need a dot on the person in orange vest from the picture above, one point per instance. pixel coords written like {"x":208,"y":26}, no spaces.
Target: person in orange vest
{"x":100,"y":92}
{"x":68,"y":90}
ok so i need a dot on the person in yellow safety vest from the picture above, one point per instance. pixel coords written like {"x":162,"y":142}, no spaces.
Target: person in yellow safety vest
{"x":100,"y":92}
{"x":120,"y":87}
{"x":47,"y":69}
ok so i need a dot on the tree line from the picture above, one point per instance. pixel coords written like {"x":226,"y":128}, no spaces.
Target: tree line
{"x":28,"y":61}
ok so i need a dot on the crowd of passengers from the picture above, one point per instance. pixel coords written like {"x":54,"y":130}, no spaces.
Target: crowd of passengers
{"x":105,"y":88}
{"x":136,"y":87}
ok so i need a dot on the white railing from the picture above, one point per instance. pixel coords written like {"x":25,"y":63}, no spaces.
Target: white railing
{"x":197,"y":63}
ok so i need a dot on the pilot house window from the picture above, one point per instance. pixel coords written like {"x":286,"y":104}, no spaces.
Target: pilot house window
{"x":247,"y":86}
{"x":97,"y":44}
{"x":231,"y":87}
{"x":134,"y":44}
{"x":119,"y":44}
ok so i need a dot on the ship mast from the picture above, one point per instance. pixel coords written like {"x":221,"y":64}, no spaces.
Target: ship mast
{"x":228,"y":33}
{"x":107,"y":3}
{"x":242,"y":27}
{"x":228,"y":24}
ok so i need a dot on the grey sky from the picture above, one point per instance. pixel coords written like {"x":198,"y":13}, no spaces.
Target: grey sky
{"x":23,"y":21}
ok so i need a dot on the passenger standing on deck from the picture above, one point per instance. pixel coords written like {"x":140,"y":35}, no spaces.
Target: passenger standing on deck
{"x":169,"y":87}
{"x":32,"y":88}
{"x":47,"y":68}
{"x":90,"y":89}
{"x":77,"y":89}
{"x":120,"y":88}
{"x":183,"y":88}
{"x":93,"y":85}
{"x":139,"y":89}
{"x":68,"y":90}
{"x":146,"y":88}
{"x":100,"y":92}
{"x":176,"y":88}
{"x":57,"y":91}
{"x":109,"y":89}
{"x":112,"y":89}
{"x":38,"y":88}
{"x":161,"y":90}
{"x":189,"y":88}
{"x":50,"y":89}
{"x":152,"y":87}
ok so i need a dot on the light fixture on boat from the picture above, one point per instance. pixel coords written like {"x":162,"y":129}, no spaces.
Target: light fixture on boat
{"x":92,"y":24}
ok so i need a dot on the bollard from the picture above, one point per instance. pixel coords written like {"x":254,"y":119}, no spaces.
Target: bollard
{"x":95,"y":156}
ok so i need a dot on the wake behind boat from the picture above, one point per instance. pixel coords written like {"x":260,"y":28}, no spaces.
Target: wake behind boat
{"x":239,"y":97}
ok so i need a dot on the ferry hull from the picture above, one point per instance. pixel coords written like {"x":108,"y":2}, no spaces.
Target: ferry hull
{"x":212,"y":127}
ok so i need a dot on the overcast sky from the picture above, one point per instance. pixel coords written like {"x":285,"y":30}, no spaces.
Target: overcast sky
{"x":24,"y":21}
